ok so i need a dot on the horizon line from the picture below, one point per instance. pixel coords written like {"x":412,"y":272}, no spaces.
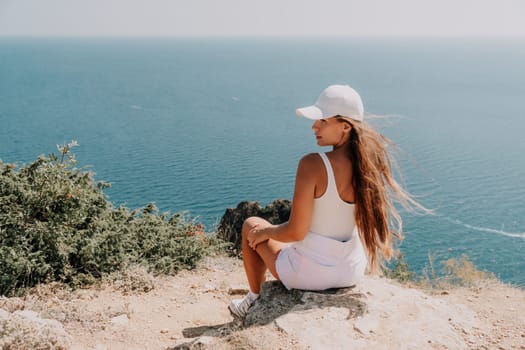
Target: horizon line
{"x":266,"y":36}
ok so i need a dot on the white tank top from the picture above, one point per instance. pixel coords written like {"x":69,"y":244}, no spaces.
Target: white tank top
{"x":332,"y":217}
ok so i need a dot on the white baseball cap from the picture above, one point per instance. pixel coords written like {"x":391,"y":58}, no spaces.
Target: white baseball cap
{"x":335,"y":100}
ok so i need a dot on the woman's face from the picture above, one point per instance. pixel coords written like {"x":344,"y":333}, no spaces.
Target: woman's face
{"x":331,"y":132}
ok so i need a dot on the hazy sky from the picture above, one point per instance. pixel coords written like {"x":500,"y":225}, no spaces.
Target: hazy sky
{"x":482,"y":18}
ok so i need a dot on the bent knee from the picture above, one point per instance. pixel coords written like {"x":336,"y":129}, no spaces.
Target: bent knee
{"x":253,"y":221}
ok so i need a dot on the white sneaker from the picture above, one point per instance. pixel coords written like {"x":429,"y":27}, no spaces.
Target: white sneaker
{"x":239,"y":307}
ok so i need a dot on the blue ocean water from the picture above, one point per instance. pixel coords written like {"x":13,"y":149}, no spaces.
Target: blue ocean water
{"x":202,"y":124}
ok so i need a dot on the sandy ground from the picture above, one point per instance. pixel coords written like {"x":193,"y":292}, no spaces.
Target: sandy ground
{"x":181,"y":307}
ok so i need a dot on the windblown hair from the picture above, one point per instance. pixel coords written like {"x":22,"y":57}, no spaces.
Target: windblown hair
{"x":376,"y":191}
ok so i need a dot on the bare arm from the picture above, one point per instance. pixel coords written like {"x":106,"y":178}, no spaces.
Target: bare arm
{"x":302,"y":207}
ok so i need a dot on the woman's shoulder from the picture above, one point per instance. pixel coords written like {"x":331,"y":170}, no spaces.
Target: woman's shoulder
{"x":311,"y":161}
{"x":311,"y":157}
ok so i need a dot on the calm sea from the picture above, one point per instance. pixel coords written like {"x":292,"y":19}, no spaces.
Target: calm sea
{"x":201,"y":124}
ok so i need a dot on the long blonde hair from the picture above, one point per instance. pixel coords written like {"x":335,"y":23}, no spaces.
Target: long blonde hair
{"x":376,"y":191}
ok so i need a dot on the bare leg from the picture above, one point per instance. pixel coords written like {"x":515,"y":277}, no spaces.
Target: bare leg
{"x":257,"y":261}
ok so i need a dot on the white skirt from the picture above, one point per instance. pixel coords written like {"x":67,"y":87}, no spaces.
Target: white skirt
{"x":319,"y":262}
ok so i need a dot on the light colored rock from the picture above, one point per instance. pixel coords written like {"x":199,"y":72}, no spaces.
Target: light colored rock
{"x":120,"y":320}
{"x":379,"y":314}
{"x":32,"y":316}
{"x":29,"y":315}
{"x":408,"y":318}
{"x":25,"y":329}
{"x":326,"y":328}
{"x":4,"y":315}
{"x":367,"y":325}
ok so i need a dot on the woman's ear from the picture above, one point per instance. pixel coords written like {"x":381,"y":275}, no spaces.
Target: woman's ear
{"x":347,"y":127}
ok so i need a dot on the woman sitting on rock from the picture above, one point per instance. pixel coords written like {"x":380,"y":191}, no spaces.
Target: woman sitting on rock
{"x":342,"y":209}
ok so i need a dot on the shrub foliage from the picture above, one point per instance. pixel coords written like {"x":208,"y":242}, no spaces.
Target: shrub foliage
{"x":56,"y":224}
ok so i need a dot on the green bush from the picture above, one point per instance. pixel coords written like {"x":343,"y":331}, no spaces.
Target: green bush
{"x":56,"y":224}
{"x":457,"y":271}
{"x":398,"y":269}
